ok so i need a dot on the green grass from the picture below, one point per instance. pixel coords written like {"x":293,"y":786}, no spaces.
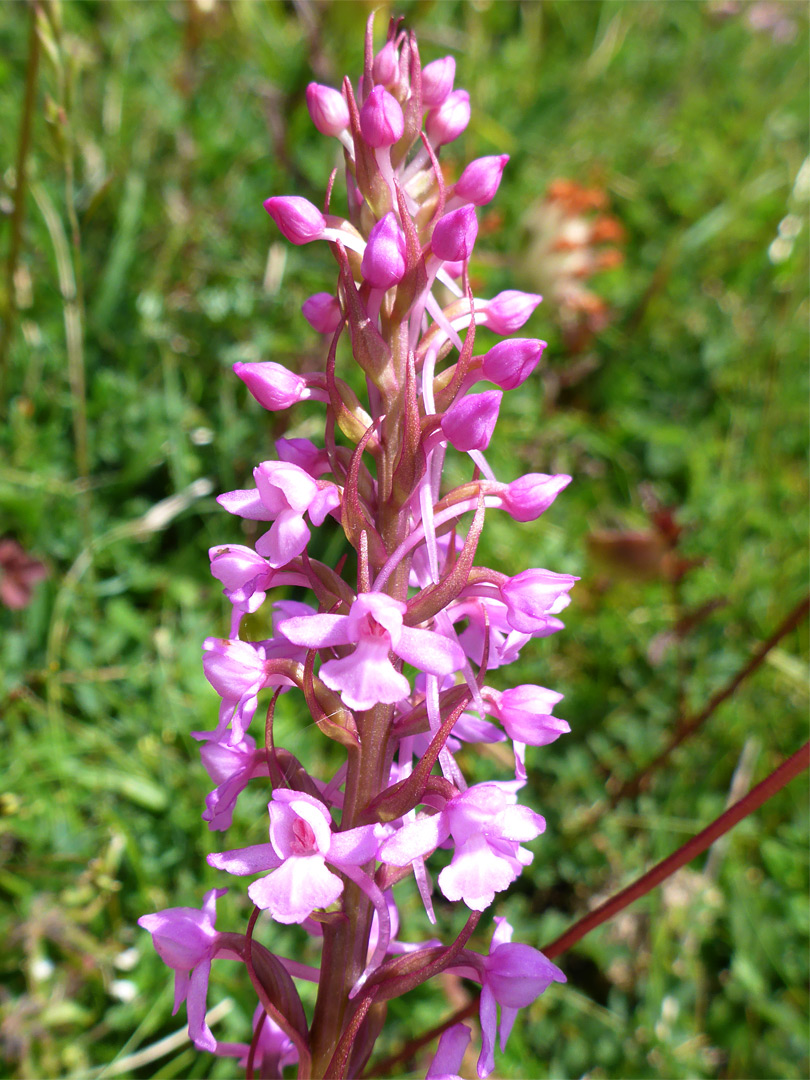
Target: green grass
{"x":156,"y":137}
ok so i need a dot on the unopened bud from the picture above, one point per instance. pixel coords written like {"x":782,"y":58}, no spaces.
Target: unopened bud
{"x":437,"y":81}
{"x":386,"y":65}
{"x":533,"y":598}
{"x":510,"y":363}
{"x":527,"y":497}
{"x":381,"y":120}
{"x":383,"y":262}
{"x":447,"y":121}
{"x":509,"y":310}
{"x":481,"y":179}
{"x":454,"y":235}
{"x":272,"y":385}
{"x":298,"y":219}
{"x":328,"y":109}
{"x":526,"y":714}
{"x":470,"y":421}
{"x":322,"y":312}
{"x":305,"y":454}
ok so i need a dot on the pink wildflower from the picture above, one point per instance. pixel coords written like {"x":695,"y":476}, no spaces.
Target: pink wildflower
{"x":374,"y":625}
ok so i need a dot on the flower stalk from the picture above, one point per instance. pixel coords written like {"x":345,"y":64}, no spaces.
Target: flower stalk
{"x":393,"y":664}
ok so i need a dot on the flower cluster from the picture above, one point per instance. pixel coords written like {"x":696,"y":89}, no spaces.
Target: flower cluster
{"x":392,"y":664}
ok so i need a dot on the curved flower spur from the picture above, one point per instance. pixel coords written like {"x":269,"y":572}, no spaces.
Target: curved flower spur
{"x":391,"y":665}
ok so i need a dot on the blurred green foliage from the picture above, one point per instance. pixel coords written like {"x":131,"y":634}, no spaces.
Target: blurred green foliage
{"x":158,"y":131}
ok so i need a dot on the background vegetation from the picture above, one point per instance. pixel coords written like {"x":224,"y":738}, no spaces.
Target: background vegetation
{"x":147,"y":266}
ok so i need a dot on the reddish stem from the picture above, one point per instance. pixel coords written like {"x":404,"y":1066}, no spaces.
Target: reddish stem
{"x":689,"y":726}
{"x":336,"y":1068}
{"x":254,"y":1043}
{"x":794,"y":765}
{"x":758,"y":795}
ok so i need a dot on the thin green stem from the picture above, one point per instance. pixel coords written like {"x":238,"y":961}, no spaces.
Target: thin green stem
{"x":18,"y":213}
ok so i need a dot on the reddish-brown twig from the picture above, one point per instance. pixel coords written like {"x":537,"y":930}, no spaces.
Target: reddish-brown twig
{"x":781,"y":776}
{"x":690,"y":725}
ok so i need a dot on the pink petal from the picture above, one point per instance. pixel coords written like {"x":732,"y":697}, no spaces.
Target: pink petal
{"x":502,"y":934}
{"x":245,"y":503}
{"x":488,"y":1017}
{"x":287,"y":537}
{"x":316,"y":631}
{"x":198,"y":1030}
{"x":327,"y":499}
{"x":248,"y":860}
{"x":300,"y":885}
{"x":366,"y":678}
{"x":508,"y":1016}
{"x":281,"y":483}
{"x":181,"y":982}
{"x":517,"y":823}
{"x":475,"y":874}
{"x":429,"y":651}
{"x":355,"y":846}
{"x":415,"y":839}
{"x":449,"y":1053}
{"x":284,"y":818}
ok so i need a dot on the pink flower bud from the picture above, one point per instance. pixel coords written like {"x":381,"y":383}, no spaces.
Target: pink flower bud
{"x":245,"y":575}
{"x":509,"y":310}
{"x":437,"y":81}
{"x":481,"y":179}
{"x":273,"y":386}
{"x":381,"y":120}
{"x":386,"y":65}
{"x":328,"y":109}
{"x":322,"y":312}
{"x":383,"y":262}
{"x":297,"y":218}
{"x":534,"y":597}
{"x":448,"y":120}
{"x":305,"y":454}
{"x":527,"y":497}
{"x":526,"y":714}
{"x":510,"y":363}
{"x":470,"y":421}
{"x":454,"y":235}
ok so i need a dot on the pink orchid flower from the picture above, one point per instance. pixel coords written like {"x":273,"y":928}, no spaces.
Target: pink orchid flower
{"x":514,"y":976}
{"x":301,"y":843}
{"x":374,"y":625}
{"x":186,"y":940}
{"x":284,"y":492}
{"x":487,"y":828}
